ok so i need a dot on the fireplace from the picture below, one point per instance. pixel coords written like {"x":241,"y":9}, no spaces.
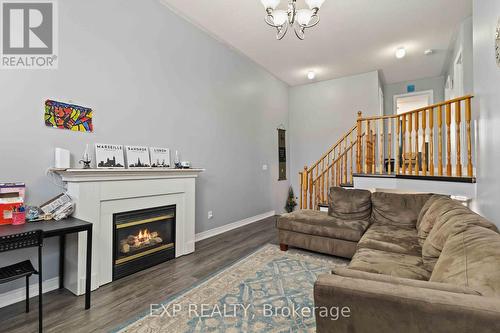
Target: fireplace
{"x":142,"y":238}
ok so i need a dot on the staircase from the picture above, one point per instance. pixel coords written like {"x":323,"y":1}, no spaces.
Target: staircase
{"x":434,"y":142}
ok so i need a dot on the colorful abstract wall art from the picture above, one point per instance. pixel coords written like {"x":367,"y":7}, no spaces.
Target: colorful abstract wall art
{"x":68,"y":116}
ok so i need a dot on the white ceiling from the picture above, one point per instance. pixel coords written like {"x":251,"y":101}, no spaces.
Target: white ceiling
{"x":354,"y":36}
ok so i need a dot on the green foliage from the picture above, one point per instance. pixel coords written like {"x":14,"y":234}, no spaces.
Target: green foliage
{"x":290,"y":201}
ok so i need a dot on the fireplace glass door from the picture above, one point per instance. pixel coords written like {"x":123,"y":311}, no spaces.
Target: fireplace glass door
{"x":143,"y":238}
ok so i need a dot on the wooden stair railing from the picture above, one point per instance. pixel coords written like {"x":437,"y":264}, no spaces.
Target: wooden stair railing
{"x":396,"y":144}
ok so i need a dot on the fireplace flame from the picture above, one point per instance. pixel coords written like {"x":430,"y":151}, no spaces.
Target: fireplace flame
{"x":140,"y":240}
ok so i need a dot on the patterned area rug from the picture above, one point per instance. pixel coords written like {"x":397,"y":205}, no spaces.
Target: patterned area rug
{"x":267,"y":291}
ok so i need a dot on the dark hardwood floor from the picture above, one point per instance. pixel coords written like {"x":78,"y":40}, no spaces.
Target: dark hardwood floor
{"x":122,"y":300}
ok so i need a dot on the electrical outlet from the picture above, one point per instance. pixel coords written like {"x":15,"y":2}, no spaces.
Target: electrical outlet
{"x":264,"y":167}
{"x":210,"y":214}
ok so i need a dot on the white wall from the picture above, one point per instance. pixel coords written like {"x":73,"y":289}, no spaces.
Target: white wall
{"x":463,"y":41}
{"x":436,"y":84}
{"x":320,"y":113}
{"x":152,"y":79}
{"x":486,"y":85}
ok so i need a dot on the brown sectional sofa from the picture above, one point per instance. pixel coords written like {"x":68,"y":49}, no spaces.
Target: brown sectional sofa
{"x":422,"y":263}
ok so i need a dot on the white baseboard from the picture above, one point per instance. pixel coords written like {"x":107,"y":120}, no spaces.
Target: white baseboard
{"x":18,"y":295}
{"x":216,"y":231}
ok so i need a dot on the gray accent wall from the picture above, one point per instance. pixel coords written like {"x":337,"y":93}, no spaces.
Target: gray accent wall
{"x":487,"y":102}
{"x":320,"y":113}
{"x":152,"y":79}
{"x":436,"y":84}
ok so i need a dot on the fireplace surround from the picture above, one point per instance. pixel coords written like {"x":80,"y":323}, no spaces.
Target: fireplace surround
{"x":99,"y":194}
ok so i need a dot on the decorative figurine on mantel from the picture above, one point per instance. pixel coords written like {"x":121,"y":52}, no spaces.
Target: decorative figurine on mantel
{"x":86,"y":158}
{"x":177,"y":160}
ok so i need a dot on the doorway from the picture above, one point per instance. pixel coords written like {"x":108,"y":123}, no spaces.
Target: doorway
{"x":412,"y":101}
{"x":408,"y":102}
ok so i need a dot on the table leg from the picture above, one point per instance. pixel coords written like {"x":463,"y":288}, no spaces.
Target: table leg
{"x":88,"y":274}
{"x":62,"y":249}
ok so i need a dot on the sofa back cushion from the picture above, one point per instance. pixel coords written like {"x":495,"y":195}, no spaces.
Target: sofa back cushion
{"x":471,"y":259}
{"x":455,"y":219}
{"x":434,"y":207}
{"x":349,"y":204}
{"x":397,"y":209}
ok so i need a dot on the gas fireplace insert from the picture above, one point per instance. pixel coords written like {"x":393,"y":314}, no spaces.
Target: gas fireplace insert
{"x":142,"y":238}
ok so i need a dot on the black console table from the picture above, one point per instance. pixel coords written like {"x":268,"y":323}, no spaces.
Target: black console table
{"x":60,"y":228}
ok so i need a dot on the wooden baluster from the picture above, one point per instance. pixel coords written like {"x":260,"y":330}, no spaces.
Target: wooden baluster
{"x":424,"y":146}
{"x":315,"y":183}
{"x":311,"y":175}
{"x":403,"y":143}
{"x":381,"y":147}
{"x":440,"y":140}
{"x":448,"y":140}
{"x":316,"y":188}
{"x":373,"y":160}
{"x":359,"y":143}
{"x":351,"y":171}
{"x":458,"y":121}
{"x":368,"y":148}
{"x":327,"y":174}
{"x":345,"y":162}
{"x":322,"y":184}
{"x":398,"y":144}
{"x":332,"y":169}
{"x":389,"y":145}
{"x":469,"y":138}
{"x":339,"y":167}
{"x":431,"y":141}
{"x":410,"y":131}
{"x":417,"y":148}
{"x":305,"y":183}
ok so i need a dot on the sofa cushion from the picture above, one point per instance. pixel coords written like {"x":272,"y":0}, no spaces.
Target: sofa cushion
{"x":434,"y":207}
{"x":471,"y":259}
{"x":390,"y":238}
{"x":456,"y":219}
{"x":313,"y":222}
{"x":389,"y":263}
{"x":397,"y":209}
{"x":355,"y":274}
{"x":349,"y":204}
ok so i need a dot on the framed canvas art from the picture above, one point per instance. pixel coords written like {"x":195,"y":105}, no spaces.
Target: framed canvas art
{"x":160,"y":157}
{"x":68,"y":116}
{"x":137,"y":157}
{"x":109,"y":156}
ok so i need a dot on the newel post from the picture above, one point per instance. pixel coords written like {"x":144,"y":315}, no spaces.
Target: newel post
{"x":305,"y":184}
{"x":358,"y":142}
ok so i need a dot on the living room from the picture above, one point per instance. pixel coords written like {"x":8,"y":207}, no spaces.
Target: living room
{"x":272,"y":156}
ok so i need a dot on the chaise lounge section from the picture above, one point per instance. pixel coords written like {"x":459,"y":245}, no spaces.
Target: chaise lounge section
{"x":336,"y":232}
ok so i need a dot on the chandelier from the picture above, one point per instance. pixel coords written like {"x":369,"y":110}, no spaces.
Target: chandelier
{"x":299,"y":19}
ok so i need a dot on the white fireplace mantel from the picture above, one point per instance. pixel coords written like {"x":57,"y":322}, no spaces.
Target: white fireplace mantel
{"x":100,"y":193}
{"x":89,"y":175}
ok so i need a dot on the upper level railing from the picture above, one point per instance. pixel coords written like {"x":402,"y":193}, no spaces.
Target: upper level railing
{"x":432,"y":141}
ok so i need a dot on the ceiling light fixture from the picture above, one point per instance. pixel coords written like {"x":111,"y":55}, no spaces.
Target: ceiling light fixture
{"x":311,"y":75}
{"x":401,"y":53}
{"x":300,"y":19}
{"x":428,"y":51}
